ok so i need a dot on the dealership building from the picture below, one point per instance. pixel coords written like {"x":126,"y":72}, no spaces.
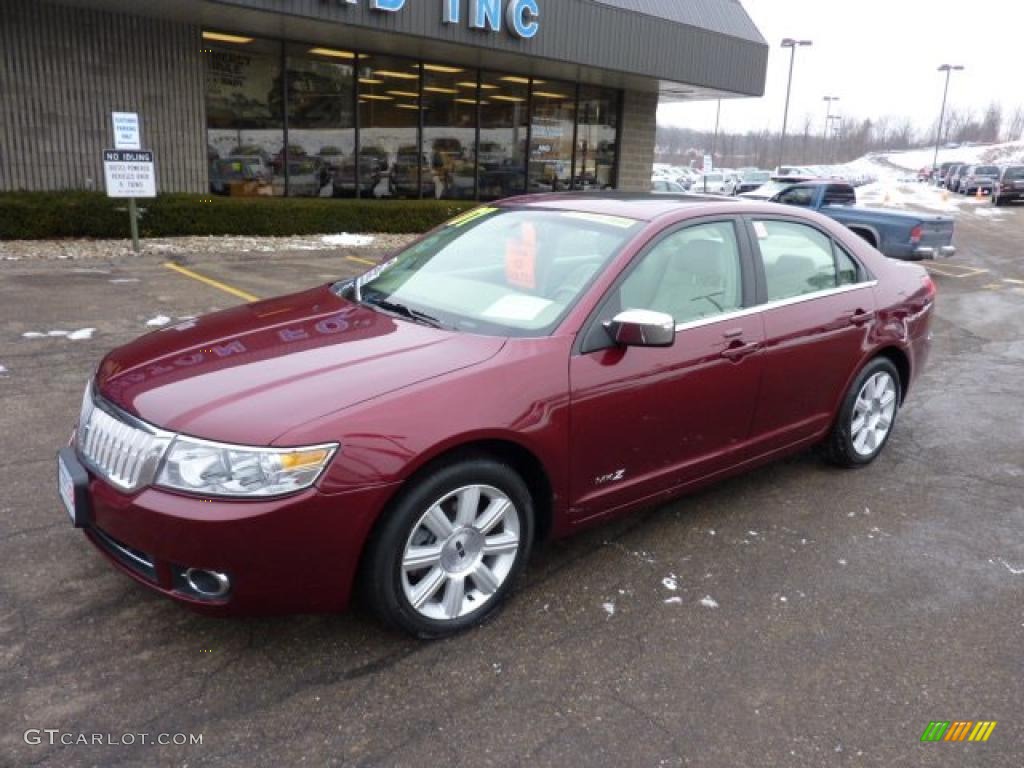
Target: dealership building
{"x":468,"y":99}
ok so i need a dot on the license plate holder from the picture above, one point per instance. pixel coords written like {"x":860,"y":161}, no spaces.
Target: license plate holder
{"x":73,"y":488}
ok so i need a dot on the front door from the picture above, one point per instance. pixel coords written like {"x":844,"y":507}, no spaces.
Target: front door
{"x":645,"y":419}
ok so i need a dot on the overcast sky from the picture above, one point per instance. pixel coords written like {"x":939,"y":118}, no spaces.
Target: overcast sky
{"x":879,"y":57}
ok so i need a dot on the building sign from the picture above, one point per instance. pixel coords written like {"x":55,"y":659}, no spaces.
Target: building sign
{"x":520,"y":17}
{"x":129,"y":173}
{"x":126,"y":130}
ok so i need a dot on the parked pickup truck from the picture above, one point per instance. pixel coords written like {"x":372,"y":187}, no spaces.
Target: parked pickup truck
{"x":903,"y":235}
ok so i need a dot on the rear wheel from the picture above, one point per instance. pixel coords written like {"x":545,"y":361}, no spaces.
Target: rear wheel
{"x":450,"y":549}
{"x":867,"y":415}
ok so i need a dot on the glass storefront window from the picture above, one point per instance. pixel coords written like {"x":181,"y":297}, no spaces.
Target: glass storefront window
{"x":449,"y":131}
{"x":321,"y":121}
{"x":244,"y":118}
{"x":551,"y":132}
{"x":596,"y":138}
{"x":389,"y":121}
{"x":377,"y":126}
{"x":504,"y":103}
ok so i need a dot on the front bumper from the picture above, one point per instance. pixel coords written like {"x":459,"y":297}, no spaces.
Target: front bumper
{"x":297,"y":554}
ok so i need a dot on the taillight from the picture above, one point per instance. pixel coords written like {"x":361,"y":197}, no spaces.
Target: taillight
{"x":929,"y":286}
{"x":916,"y":233}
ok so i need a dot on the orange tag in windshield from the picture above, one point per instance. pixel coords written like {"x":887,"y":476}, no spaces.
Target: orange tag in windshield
{"x":521,"y":259}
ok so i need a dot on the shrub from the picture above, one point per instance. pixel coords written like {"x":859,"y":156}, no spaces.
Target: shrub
{"x":35,"y":215}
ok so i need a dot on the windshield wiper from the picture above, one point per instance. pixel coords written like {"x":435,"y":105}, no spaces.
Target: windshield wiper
{"x":407,"y":312}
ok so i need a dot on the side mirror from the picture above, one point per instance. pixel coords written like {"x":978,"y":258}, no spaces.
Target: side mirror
{"x":642,"y":328}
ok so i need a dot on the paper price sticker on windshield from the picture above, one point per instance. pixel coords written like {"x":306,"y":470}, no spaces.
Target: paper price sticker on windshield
{"x":521,"y":259}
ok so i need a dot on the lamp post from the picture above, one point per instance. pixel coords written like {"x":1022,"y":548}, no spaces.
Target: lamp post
{"x":828,"y":117}
{"x":714,"y":142}
{"x":792,"y":44}
{"x":948,"y":69}
{"x":837,"y":123}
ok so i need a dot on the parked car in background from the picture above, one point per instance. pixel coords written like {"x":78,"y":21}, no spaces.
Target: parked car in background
{"x":242,"y":176}
{"x":751,"y":180}
{"x":978,"y":177}
{"x":412,"y":174}
{"x":307,"y":176}
{"x":531,"y":368}
{"x":664,"y":185}
{"x":710,"y":183}
{"x":943,"y":173}
{"x":955,"y":174}
{"x":903,"y":235}
{"x":1009,"y":185}
{"x":373,"y":166}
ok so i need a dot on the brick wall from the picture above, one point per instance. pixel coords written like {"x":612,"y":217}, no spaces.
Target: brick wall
{"x":639,"y":123}
{"x":63,"y":70}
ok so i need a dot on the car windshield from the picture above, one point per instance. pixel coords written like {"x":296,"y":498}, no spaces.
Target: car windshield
{"x":761,"y":177}
{"x":499,"y":271}
{"x":986,"y":170}
{"x":1014,"y":173}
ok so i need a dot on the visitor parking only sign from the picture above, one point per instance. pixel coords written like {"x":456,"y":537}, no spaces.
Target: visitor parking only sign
{"x":129,"y":173}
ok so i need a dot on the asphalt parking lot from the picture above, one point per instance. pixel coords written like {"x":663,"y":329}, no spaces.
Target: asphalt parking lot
{"x":799,"y":615}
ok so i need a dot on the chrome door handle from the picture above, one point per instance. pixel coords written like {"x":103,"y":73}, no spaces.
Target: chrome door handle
{"x":738,"y":350}
{"x":860,"y":316}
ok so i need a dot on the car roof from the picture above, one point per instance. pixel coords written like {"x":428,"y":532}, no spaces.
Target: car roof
{"x":643,"y":206}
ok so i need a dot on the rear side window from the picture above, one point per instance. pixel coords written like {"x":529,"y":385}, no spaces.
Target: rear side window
{"x":797,"y":259}
{"x":837,"y":194}
{"x":1014,"y":173}
{"x":802,"y":196}
{"x":986,"y":170}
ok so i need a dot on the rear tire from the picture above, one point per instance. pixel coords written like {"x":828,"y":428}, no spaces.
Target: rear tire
{"x":450,"y":548}
{"x":867,"y":415}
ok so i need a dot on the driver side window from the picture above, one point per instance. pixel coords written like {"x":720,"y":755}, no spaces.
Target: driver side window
{"x":691,"y":274}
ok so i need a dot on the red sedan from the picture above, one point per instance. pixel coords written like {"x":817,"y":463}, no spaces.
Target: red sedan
{"x":531,"y":367}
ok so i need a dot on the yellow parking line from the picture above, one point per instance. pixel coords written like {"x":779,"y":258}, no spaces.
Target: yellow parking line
{"x":211,"y":282}
{"x":362,"y":261}
{"x":1012,"y":280}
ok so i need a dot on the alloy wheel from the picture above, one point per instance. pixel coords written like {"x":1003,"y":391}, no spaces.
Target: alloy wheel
{"x":460,"y":552}
{"x":873,"y":413}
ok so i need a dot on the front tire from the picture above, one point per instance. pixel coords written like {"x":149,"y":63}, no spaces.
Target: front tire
{"x":450,"y":548}
{"x":867,"y":415}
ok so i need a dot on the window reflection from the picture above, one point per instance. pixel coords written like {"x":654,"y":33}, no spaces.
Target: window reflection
{"x":503,"y":129}
{"x":596,"y":137}
{"x":323,"y":91}
{"x":321,"y":120}
{"x":551,"y":132}
{"x":388,"y":127}
{"x":449,"y":131}
{"x":244,"y":116}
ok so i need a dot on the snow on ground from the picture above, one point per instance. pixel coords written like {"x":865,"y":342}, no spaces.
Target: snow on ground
{"x":912,"y":160}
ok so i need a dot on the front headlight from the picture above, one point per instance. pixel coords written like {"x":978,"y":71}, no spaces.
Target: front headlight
{"x":216,"y":469}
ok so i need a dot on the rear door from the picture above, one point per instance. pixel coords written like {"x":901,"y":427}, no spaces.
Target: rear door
{"x":818,"y":310}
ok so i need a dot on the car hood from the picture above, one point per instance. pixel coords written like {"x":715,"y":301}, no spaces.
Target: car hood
{"x":249,"y":374}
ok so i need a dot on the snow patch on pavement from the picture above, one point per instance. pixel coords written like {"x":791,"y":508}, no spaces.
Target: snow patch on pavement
{"x":670,"y":582}
{"x":81,"y":334}
{"x":609,"y":608}
{"x":709,"y":602}
{"x":346,"y":239}
{"x":158,"y":321}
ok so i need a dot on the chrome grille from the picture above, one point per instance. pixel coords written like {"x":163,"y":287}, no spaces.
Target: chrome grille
{"x":118,"y":447}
